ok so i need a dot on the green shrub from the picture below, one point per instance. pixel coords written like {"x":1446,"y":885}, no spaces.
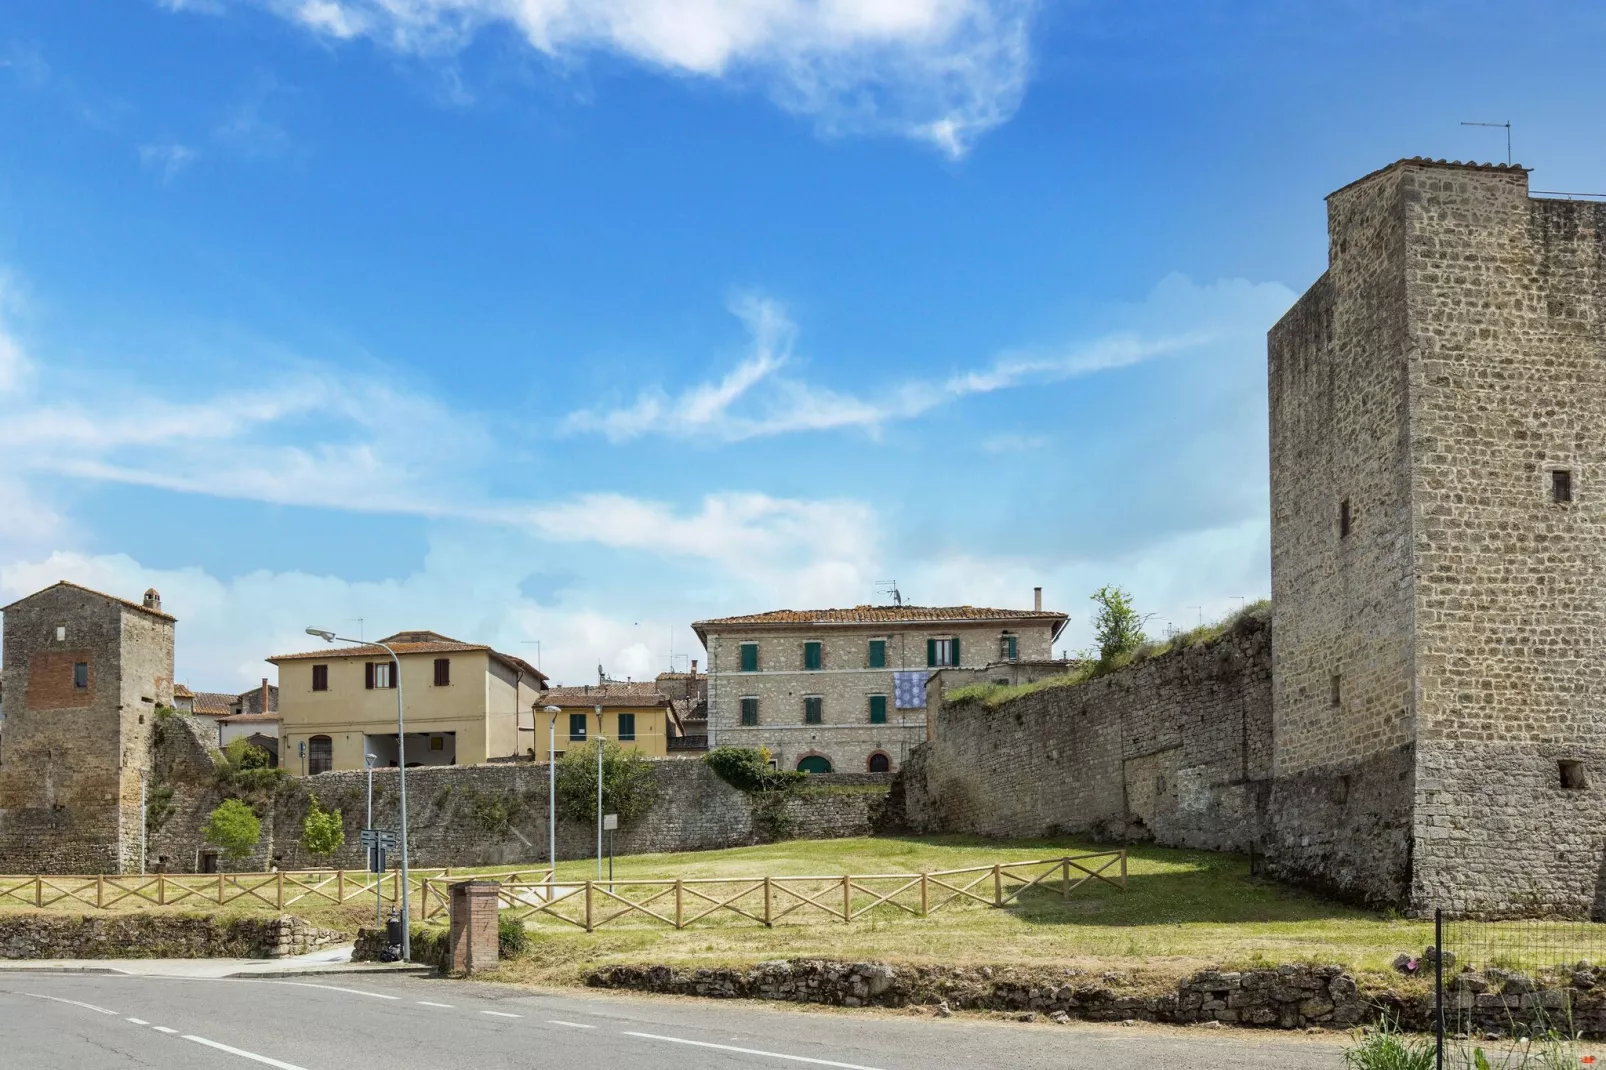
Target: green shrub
{"x":243,"y":756}
{"x":233,"y":829}
{"x":748,"y":769}
{"x":1384,"y":1048}
{"x":322,"y":831}
{"x":512,"y":938}
{"x":629,"y":788}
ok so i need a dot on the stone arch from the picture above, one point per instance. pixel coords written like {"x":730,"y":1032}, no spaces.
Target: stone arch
{"x":878,"y":762}
{"x":814,"y":762}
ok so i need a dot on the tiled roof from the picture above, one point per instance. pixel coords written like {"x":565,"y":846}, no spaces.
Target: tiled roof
{"x":1425,"y":161}
{"x":250,"y":718}
{"x":214,"y":703}
{"x":882,"y":615}
{"x":644,"y":693}
{"x":180,"y":691}
{"x":416,"y":642}
{"x":98,"y":594}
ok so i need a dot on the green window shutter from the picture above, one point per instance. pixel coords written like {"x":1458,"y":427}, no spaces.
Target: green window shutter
{"x":627,"y":727}
{"x":878,"y":653}
{"x":813,"y":710}
{"x":750,"y":711}
{"x":750,"y":657}
{"x":878,"y":709}
{"x":953,"y":650}
{"x":811,"y":655}
{"x":931,"y":653}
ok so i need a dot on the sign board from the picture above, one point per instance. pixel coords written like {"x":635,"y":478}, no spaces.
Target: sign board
{"x":610,"y":821}
{"x":378,"y":837}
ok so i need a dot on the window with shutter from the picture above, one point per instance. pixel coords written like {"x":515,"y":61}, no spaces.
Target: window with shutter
{"x":813,"y":710}
{"x":878,"y":709}
{"x":953,"y":651}
{"x":750,"y":711}
{"x":368,"y":675}
{"x":1006,"y":647}
{"x":811,"y":656}
{"x":443,"y":672}
{"x":931,"y":653}
{"x":320,"y":677}
{"x":878,"y":653}
{"x":627,"y":727}
{"x":750,"y":657}
{"x":577,"y":727}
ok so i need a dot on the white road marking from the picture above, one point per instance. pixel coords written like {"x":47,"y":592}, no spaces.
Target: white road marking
{"x":502,"y":1014}
{"x":242,"y":1053}
{"x":164,"y":1029}
{"x":427,"y":1003}
{"x":334,"y":988}
{"x":752,"y":1051}
{"x":74,"y":1002}
{"x":137,"y":1021}
{"x":571,"y":1025}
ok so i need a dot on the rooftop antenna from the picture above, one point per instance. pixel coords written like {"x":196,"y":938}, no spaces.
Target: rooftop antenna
{"x":360,"y":637}
{"x":891,"y":588}
{"x":1507,"y":126}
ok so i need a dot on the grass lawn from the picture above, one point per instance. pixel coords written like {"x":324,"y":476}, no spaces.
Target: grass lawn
{"x":1182,"y":911}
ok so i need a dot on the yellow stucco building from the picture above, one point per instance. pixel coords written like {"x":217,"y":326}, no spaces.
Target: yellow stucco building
{"x":464,"y":704}
{"x":634,"y":715}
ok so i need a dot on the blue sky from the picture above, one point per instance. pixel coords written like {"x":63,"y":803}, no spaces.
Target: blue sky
{"x":575,"y":322}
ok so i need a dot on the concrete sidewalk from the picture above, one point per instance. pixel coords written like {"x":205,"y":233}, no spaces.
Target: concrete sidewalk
{"x":334,"y":960}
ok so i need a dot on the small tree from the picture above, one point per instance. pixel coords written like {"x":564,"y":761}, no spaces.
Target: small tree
{"x":1117,"y":626}
{"x":234,"y":830}
{"x":628,"y":786}
{"x":243,"y":755}
{"x":322,"y":831}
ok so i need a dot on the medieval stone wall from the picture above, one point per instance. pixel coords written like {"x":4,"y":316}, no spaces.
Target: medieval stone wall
{"x":1176,"y":748}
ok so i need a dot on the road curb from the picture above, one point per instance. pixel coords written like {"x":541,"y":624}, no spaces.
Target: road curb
{"x":325,"y":971}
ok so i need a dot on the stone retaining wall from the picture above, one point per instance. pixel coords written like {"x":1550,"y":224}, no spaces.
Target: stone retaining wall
{"x":158,"y":936}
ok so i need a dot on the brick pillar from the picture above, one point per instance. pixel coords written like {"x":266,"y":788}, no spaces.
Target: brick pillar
{"x":473,"y":934}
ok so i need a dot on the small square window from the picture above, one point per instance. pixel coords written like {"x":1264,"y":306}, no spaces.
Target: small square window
{"x":61,"y":633}
{"x":437,"y":742}
{"x":1338,"y":690}
{"x":1573,"y":777}
{"x":1561,"y":485}
{"x":80,"y":675}
{"x":813,"y":710}
{"x":577,"y":727}
{"x":750,"y":711}
{"x":1343,"y":519}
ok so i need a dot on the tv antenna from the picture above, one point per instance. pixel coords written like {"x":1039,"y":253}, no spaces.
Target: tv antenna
{"x":1507,"y":126}
{"x":890,"y":587}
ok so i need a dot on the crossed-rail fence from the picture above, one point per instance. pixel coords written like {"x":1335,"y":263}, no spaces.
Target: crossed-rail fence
{"x":538,"y":896}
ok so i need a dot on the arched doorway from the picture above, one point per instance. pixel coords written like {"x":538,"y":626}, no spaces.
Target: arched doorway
{"x":814,"y":763}
{"x":879,"y":763}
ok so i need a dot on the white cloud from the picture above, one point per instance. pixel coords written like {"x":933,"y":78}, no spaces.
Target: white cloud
{"x":941,"y":71}
{"x":166,"y":161}
{"x":1179,"y":316}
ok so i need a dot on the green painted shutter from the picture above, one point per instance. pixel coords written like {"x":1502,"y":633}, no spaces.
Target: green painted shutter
{"x":931,"y":653}
{"x":878,"y":653}
{"x":811,"y":656}
{"x":750,"y":657}
{"x":878,"y":709}
{"x":954,"y":650}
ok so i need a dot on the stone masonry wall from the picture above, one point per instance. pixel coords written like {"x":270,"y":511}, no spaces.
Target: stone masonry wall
{"x":1176,"y":748}
{"x":167,"y":936}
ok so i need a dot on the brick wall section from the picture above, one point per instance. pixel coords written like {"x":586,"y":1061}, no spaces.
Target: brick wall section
{"x":1176,"y":748}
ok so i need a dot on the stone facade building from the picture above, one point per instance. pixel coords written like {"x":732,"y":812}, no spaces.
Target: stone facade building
{"x":1438,"y":414}
{"x":84,"y":674}
{"x":844,"y":689}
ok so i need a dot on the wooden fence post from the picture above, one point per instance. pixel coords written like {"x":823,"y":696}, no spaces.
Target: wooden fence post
{"x":39,"y":891}
{"x":680,"y":906}
{"x":1065,"y":879}
{"x":100,"y":890}
{"x":769,"y":899}
{"x":220,"y":889}
{"x":998,"y":885}
{"x":161,"y":889}
{"x":278,"y":891}
{"x":847,"y":897}
{"x":340,"y":886}
{"x":924,"y":898}
{"x":1123,"y":869}
{"x":588,"y":906}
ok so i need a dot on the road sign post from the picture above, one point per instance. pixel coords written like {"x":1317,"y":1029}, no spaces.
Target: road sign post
{"x":610,"y":823}
{"x":378,"y":843}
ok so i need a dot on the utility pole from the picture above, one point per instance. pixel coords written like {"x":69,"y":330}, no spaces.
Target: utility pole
{"x":600,"y":738}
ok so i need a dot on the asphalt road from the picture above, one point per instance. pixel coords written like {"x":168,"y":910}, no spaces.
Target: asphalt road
{"x":93,"y":1022}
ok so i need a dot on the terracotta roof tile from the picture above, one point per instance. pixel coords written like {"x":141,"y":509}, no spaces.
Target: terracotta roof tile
{"x":883,"y":615}
{"x":214,"y":703}
{"x":643,"y":693}
{"x":419,"y":642}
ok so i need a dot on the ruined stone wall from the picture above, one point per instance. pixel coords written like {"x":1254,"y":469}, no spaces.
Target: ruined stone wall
{"x":1176,"y":748}
{"x":1507,"y":302}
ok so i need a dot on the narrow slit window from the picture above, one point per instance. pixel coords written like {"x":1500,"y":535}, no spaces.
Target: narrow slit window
{"x":1338,"y":690}
{"x":1561,"y":485}
{"x":80,"y":675}
{"x":1343,"y":519}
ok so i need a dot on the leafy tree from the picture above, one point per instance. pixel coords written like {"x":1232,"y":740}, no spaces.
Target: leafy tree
{"x":1116,"y":626}
{"x":242,"y":755}
{"x":234,"y":829}
{"x":322,"y":831}
{"x":748,"y":769}
{"x":628,"y":786}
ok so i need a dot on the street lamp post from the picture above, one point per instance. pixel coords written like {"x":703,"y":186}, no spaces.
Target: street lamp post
{"x":600,"y":740}
{"x":551,"y":799}
{"x":401,"y":771}
{"x":379,"y":911}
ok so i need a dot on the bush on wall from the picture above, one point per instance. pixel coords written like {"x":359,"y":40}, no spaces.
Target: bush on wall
{"x":628,"y":786}
{"x":748,"y":769}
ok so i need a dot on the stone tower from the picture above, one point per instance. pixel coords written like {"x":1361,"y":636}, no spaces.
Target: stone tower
{"x":1438,"y":493}
{"x":84,"y":673}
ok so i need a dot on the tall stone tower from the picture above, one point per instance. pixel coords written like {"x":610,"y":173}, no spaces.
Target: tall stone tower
{"x":1438,"y":492}
{"x":84,"y":673}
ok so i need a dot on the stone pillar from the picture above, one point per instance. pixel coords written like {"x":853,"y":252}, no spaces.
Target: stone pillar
{"x":473,"y":934}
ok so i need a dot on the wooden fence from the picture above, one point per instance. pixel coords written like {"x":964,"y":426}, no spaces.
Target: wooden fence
{"x":680,"y":902}
{"x":279,"y":889}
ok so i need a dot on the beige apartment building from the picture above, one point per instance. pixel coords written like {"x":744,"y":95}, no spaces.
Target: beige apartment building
{"x":635,"y":715}
{"x":843,"y":690}
{"x":464,"y":704}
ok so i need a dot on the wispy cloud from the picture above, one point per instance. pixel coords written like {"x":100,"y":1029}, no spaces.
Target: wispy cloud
{"x":166,"y":161}
{"x":758,"y":399}
{"x":940,"y":71}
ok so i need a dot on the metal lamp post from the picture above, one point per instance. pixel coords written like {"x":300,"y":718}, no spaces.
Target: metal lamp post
{"x":401,"y":771}
{"x":379,"y":911}
{"x":551,"y":799}
{"x":600,"y":739}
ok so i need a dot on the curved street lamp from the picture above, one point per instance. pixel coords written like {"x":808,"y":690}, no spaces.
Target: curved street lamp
{"x":401,"y":763}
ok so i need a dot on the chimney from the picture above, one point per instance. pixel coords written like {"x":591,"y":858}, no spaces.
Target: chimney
{"x":153,"y":600}
{"x":694,"y":666}
{"x":264,"y":708}
{"x":1037,"y":599}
